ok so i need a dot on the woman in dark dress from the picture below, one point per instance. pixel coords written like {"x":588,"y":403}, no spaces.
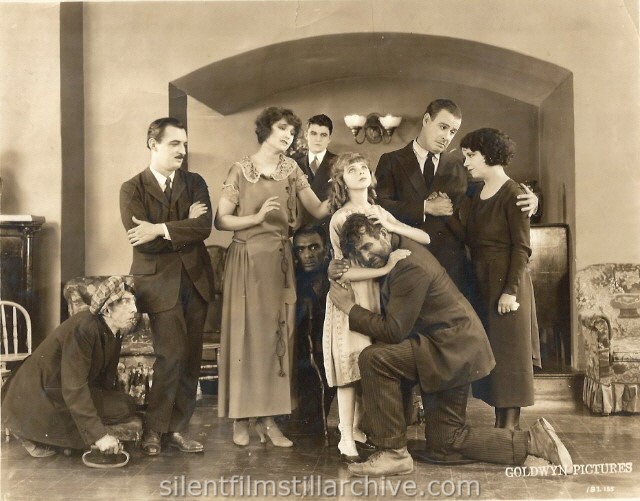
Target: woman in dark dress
{"x":498,"y":236}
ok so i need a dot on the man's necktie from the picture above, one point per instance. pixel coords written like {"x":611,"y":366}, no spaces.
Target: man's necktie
{"x":314,"y":165}
{"x":167,"y":189}
{"x":428,"y":170}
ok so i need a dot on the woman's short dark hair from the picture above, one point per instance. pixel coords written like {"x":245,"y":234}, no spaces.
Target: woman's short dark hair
{"x":157,"y":127}
{"x":271,"y":115}
{"x":355,"y":226}
{"x":495,"y":146}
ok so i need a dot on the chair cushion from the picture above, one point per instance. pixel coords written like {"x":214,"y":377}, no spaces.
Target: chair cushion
{"x":78,"y":293}
{"x":608,"y":301}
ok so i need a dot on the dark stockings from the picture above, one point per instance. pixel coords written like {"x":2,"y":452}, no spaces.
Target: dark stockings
{"x":508,"y":417}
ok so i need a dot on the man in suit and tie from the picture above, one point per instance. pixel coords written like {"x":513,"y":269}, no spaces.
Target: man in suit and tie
{"x":167,"y":214}
{"x":428,"y":333}
{"x":423,"y":186}
{"x":317,"y":162}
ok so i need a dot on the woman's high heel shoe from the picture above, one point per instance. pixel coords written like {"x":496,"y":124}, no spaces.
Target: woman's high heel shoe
{"x":241,"y":432}
{"x":363,"y":444}
{"x":271,"y":430}
{"x":344,"y":454}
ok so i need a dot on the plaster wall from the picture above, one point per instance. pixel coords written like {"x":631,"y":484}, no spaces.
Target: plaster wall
{"x":132,"y":50}
{"x":30,"y":146}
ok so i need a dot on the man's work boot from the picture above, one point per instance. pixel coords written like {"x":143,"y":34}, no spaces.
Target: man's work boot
{"x":385,"y":462}
{"x":38,"y":450}
{"x":545,"y":444}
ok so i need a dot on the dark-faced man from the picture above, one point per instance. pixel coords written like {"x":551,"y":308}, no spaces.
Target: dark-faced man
{"x":317,"y":162}
{"x":167,"y":214}
{"x":428,"y":333}
{"x":314,"y":394}
{"x":423,"y":186}
{"x":63,"y":394}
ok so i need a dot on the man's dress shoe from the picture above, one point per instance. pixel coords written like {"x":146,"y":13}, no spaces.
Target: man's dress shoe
{"x":182,"y":443}
{"x":150,"y":444}
{"x":384,"y":462}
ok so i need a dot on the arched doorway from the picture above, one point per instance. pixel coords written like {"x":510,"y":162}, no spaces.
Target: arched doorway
{"x":400,"y":73}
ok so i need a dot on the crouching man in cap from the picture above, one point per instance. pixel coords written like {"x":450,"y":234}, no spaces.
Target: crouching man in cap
{"x":63,"y":394}
{"x":428,"y":333}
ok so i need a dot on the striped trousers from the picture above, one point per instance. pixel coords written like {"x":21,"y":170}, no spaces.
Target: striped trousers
{"x":385,"y":369}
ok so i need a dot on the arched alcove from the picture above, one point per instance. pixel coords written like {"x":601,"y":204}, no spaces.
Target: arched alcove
{"x":339,"y":74}
{"x":465,"y":70}
{"x":232,"y":84}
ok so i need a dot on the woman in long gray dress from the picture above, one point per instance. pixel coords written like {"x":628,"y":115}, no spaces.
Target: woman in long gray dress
{"x":498,"y":236}
{"x":259,"y":204}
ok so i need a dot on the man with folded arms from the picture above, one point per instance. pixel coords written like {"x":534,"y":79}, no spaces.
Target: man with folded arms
{"x":167,"y":213}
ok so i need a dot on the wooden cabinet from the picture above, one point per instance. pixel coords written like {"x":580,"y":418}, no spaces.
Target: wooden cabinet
{"x":17,"y":242}
{"x":550,"y":273}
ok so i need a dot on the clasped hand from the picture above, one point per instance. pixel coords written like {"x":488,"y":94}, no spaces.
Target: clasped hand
{"x":438,"y":204}
{"x":529,"y":201}
{"x":337,"y":268}
{"x":507,"y":303}
{"x":109,"y":445}
{"x":342,"y":296}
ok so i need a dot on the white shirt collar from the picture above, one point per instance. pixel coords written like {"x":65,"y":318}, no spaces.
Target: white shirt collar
{"x":319,"y":156}
{"x":421,"y":152}
{"x":421,"y":155}
{"x":161,"y":178}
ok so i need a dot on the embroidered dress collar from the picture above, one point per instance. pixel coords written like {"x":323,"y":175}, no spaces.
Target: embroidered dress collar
{"x":285,"y":166}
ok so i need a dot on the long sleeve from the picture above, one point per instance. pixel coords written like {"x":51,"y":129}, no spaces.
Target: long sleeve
{"x":405,"y":209}
{"x":138,"y":199}
{"x":187,"y":231}
{"x":408,"y":285}
{"x":132,"y":204}
{"x":77,"y":357}
{"x":519,"y":228}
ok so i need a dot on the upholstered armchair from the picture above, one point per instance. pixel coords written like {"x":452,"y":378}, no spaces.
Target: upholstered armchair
{"x":608,"y":301}
{"x":137,"y":347}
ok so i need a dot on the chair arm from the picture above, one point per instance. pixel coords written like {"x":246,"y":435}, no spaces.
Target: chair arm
{"x":601,"y":326}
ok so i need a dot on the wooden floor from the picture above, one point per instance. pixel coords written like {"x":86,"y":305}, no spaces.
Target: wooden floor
{"x":592,"y":441}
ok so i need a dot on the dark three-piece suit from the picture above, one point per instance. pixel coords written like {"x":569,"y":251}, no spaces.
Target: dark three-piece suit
{"x":402,"y":190}
{"x":174,"y":283}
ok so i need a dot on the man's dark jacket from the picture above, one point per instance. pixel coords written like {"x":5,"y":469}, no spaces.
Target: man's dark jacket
{"x":421,"y":303}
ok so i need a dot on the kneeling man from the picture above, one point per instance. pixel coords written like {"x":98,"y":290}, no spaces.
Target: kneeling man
{"x":63,"y":394}
{"x":427,"y":333}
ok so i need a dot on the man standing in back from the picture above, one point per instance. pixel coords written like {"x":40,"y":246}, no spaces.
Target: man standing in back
{"x":424,"y":186}
{"x":167,"y":214}
{"x":317,"y":162}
